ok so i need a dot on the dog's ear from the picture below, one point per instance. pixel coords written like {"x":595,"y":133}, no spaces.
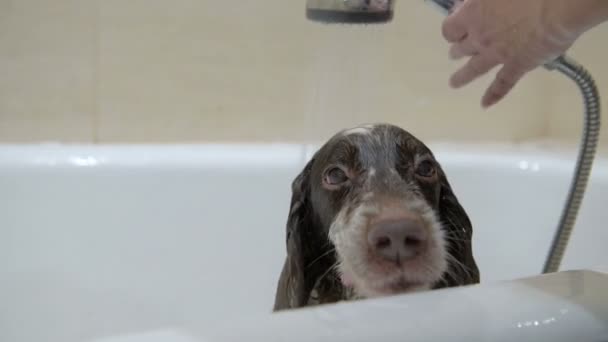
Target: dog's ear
{"x":294,"y":287}
{"x":459,"y":233}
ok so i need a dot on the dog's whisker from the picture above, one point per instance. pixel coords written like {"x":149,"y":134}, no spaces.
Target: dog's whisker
{"x":320,"y":257}
{"x":462,"y":266}
{"x":329,"y":269}
{"x":448,"y":238}
{"x":452,"y":273}
{"x":429,"y":269}
{"x":459,"y":228}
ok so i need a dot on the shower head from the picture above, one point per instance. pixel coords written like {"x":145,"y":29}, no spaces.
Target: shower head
{"x":359,"y":11}
{"x":350,"y":11}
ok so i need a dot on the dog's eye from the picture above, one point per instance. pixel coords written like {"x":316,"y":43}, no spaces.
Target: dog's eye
{"x":335,"y":176}
{"x":425,"y":169}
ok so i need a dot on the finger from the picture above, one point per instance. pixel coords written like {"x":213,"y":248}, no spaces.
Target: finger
{"x":476,"y":66}
{"x":506,"y":78}
{"x":454,"y":26}
{"x":462,"y":49}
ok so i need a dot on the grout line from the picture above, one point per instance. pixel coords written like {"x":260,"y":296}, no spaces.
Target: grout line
{"x":96,"y":68}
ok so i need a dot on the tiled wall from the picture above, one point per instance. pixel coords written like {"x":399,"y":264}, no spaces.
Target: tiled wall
{"x":565,"y":103}
{"x":200,"y":70}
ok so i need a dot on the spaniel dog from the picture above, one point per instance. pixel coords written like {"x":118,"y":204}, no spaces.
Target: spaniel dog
{"x":372,"y":214}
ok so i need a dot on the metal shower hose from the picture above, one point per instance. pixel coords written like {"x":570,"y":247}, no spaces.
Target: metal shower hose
{"x":591,"y":132}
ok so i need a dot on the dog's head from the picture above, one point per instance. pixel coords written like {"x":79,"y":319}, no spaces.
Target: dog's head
{"x":373,"y":214}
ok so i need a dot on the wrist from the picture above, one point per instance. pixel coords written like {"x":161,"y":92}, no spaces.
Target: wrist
{"x":579,"y":16}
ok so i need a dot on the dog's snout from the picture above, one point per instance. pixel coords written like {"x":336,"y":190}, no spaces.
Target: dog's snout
{"x":397,"y":240}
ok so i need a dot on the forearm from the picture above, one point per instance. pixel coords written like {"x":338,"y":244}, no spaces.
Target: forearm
{"x":578,"y":16}
{"x":597,"y":12}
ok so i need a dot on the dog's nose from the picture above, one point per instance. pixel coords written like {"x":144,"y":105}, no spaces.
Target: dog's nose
{"x":398,"y":240}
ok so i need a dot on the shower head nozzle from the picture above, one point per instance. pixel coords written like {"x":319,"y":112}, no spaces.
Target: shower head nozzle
{"x":360,"y":11}
{"x":350,"y":11}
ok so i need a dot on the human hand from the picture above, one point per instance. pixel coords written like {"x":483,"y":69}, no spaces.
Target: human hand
{"x":520,"y":35}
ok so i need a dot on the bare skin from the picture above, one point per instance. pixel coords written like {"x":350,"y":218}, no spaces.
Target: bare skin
{"x":518,"y":35}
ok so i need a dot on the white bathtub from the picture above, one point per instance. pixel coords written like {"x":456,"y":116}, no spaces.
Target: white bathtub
{"x":99,"y":241}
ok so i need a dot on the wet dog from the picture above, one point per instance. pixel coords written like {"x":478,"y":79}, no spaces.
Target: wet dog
{"x":372,"y":214}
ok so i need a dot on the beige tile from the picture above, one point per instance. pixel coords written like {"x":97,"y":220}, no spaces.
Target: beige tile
{"x":197,"y":70}
{"x":158,"y":71}
{"x":209,"y":70}
{"x":47,"y":70}
{"x":566,"y":105}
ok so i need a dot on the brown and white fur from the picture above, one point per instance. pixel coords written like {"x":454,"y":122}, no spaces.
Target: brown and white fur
{"x":372,"y":214}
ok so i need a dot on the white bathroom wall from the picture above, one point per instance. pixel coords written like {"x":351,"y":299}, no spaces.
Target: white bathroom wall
{"x":187,"y":70}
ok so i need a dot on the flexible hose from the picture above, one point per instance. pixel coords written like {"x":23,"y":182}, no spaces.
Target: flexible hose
{"x":582,"y":172}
